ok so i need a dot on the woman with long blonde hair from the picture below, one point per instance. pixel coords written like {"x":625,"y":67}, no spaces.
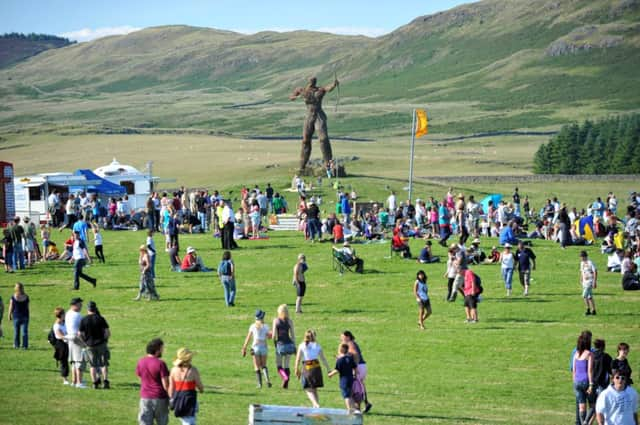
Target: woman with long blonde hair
{"x":285,"y":340}
{"x":260,"y":333}
{"x":307,"y":366}
{"x":19,"y":314}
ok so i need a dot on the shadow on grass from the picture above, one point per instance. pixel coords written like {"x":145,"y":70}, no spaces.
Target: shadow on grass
{"x":519,"y":300}
{"x":521,"y":320}
{"x":456,"y":419}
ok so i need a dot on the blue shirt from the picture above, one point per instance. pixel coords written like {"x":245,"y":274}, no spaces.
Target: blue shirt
{"x":423,"y":290}
{"x":443,"y":215}
{"x":81,"y":227}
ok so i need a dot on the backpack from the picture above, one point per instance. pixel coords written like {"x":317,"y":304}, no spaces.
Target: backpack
{"x":478,"y":281}
{"x":225,"y":268}
{"x":51,"y":337}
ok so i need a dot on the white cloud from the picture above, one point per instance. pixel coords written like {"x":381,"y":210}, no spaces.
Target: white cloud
{"x":88,"y":34}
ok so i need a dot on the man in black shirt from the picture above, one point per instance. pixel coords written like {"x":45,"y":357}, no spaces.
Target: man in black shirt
{"x":313,"y":221}
{"x":526,"y":262}
{"x":94,"y":331}
{"x":17,"y":233}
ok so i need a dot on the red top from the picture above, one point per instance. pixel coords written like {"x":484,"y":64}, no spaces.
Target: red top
{"x":184,"y":385}
{"x":397,"y":241}
{"x":337,"y":232}
{"x":151,"y":370}
{"x":187,"y":262}
{"x":469,"y":283}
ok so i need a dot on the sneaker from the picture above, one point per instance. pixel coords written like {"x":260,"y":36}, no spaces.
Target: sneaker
{"x":269,"y":384}
{"x":593,"y":313}
{"x":368,"y":407}
{"x":81,"y":385}
{"x":94,"y":282}
{"x":65,"y":382}
{"x":106,"y":385}
{"x":587,"y":313}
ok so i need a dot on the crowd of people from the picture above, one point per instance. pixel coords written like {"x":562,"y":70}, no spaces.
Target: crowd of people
{"x":79,"y":340}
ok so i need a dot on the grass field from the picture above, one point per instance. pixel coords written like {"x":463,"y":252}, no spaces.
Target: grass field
{"x":511,"y":368}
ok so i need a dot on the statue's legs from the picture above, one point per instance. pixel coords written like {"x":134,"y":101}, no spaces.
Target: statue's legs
{"x":323,"y":138}
{"x":307,"y":134}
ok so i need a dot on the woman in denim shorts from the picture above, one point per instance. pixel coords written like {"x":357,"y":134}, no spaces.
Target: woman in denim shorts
{"x":285,"y":341}
{"x":260,"y":333}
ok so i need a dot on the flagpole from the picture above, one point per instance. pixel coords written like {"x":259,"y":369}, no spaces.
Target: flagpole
{"x":413,"y":140}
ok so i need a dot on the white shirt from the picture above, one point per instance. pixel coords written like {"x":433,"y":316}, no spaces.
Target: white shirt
{"x":69,"y":209}
{"x":259,"y":335}
{"x":587,"y":270}
{"x":97,"y":239}
{"x":72,"y":322}
{"x":391,"y":202}
{"x":618,"y":407}
{"x":78,"y":252}
{"x":53,"y":200}
{"x":59,"y":327}
{"x":310,"y":351}
{"x":507,"y":260}
{"x":152,"y":244}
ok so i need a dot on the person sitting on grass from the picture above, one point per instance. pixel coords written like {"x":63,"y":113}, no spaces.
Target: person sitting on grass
{"x":494,"y":256}
{"x":426,"y":255}
{"x":399,"y":243}
{"x":192,"y":262}
{"x":630,"y":281}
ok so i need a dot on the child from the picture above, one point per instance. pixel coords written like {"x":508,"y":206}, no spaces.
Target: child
{"x":45,"y":235}
{"x":97,"y":242}
{"x":507,"y":262}
{"x":494,"y":256}
{"x":260,"y":333}
{"x":620,"y":363}
{"x":589,"y":281}
{"x":346,"y":367}
{"x":421,"y":292}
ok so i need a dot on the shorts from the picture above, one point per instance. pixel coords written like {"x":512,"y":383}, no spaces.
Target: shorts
{"x":76,"y":356}
{"x":525,"y":277}
{"x":259,"y":350}
{"x":285,"y":349}
{"x":587,"y":292}
{"x":345,"y":386}
{"x":471,"y":301}
{"x":301,"y":288}
{"x":426,"y":304}
{"x":580,"y":390}
{"x":98,"y":355}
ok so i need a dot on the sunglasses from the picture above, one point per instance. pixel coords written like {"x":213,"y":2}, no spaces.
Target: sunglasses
{"x":620,"y":377}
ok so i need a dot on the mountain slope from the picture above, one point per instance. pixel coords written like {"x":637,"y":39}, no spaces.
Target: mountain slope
{"x":490,"y":65}
{"x":18,"y":47}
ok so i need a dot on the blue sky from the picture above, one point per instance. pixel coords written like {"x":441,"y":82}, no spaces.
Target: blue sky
{"x":89,"y":19}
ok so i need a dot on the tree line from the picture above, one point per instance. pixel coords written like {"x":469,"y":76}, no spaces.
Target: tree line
{"x":35,"y":37}
{"x":608,"y":146}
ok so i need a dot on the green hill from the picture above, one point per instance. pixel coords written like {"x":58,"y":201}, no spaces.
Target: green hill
{"x":487,"y":66}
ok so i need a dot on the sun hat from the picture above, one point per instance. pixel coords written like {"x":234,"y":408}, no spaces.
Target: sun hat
{"x":184,"y":355}
{"x":190,"y":249}
{"x":475,"y":241}
{"x":507,"y":245}
{"x":260,"y":314}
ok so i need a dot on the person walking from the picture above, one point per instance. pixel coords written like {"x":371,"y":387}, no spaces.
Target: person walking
{"x":361,"y":372}
{"x":61,"y":353}
{"x":97,"y":242}
{"x":227,"y":275}
{"x":346,"y":368}
{"x":19,"y":314}
{"x":582,"y":373}
{"x":94,"y":331}
{"x":79,"y":258}
{"x":421,"y":292}
{"x":184,"y":380}
{"x":285,"y":340}
{"x":260,"y":333}
{"x":154,"y":380}
{"x":147,"y":286}
{"x":299,"y":280}
{"x":471,"y":293}
{"x":589,"y":282}
{"x":507,"y":263}
{"x":618,"y":404}
{"x":526,"y":263}
{"x":307,"y":366}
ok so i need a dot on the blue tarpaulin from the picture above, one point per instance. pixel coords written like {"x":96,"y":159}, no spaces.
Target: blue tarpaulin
{"x":496,"y":198}
{"x":105,"y":187}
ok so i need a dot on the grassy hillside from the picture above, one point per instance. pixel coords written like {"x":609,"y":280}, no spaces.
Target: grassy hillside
{"x":490,"y":65}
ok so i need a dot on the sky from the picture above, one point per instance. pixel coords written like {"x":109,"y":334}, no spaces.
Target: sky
{"x":84,"y":20}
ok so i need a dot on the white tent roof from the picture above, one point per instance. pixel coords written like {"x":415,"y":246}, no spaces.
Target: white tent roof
{"x":116,"y":169}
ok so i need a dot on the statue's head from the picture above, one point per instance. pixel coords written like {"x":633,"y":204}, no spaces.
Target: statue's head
{"x":312,"y":81}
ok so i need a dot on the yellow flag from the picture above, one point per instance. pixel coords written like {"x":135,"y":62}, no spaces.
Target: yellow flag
{"x":422,"y":125}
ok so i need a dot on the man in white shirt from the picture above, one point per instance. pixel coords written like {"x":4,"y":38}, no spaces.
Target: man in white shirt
{"x":391,"y":202}
{"x":72,"y":320}
{"x":618,"y":404}
{"x":80,"y":256}
{"x":53,"y":205}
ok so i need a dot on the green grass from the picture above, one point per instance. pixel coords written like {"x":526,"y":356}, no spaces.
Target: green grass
{"x":451,"y":373}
